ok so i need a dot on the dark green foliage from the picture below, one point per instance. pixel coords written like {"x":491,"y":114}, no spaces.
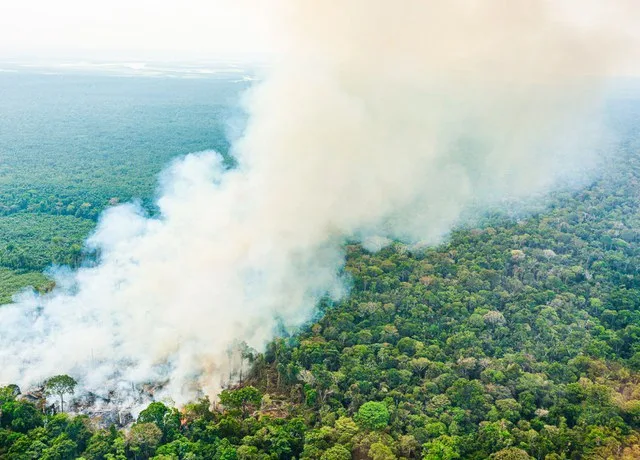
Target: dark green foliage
{"x":517,"y":339}
{"x":102,"y":444}
{"x":168,"y":420}
{"x":20,"y":416}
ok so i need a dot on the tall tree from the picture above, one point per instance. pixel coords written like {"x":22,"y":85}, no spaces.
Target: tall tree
{"x":60,"y":385}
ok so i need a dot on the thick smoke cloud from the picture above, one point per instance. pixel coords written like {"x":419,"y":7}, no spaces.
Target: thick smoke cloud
{"x":380,"y":120}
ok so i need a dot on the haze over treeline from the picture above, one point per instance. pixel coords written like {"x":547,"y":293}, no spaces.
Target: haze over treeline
{"x":376,"y":123}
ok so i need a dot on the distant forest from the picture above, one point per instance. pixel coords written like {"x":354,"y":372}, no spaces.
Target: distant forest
{"x":62,"y":164}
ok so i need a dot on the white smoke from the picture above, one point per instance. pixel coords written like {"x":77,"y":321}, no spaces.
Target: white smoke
{"x":381,"y":120}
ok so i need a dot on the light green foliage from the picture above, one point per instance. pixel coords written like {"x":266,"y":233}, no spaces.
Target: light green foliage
{"x":12,"y":281}
{"x":346,"y":430}
{"x":35,"y":241}
{"x":511,"y":453}
{"x":442,"y":448}
{"x":337,"y":452}
{"x":244,"y":398}
{"x":143,"y":439}
{"x":373,"y":416}
{"x":60,"y":385}
{"x":248,"y":453}
{"x":379,"y":451}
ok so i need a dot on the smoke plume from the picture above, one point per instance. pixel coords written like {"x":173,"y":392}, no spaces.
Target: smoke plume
{"x":379,"y":120}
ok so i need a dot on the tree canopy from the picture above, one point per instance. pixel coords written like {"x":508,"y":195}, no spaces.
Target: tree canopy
{"x":60,"y":385}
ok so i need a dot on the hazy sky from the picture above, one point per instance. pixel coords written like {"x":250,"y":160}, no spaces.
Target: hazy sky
{"x":85,"y":27}
{"x":174,"y":29}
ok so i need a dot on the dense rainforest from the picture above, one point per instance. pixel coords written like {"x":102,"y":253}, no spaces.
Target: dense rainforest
{"x":65,"y":137}
{"x":518,"y":338}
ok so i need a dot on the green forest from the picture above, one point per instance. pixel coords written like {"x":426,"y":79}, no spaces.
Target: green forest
{"x":58,"y":160}
{"x":515,"y":339}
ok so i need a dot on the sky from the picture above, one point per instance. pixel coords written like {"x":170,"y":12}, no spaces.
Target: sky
{"x":169,"y":28}
{"x":186,"y":29}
